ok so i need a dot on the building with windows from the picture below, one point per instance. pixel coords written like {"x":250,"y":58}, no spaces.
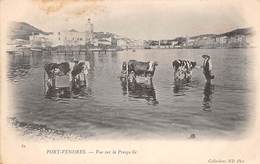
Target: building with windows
{"x":68,"y":38}
{"x":40,"y":41}
{"x":65,"y":38}
{"x":121,"y":43}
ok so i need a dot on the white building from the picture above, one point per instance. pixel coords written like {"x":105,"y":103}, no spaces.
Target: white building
{"x":73,"y":37}
{"x":223,"y":40}
{"x":122,"y":43}
{"x":68,"y":38}
{"x":189,"y":42}
{"x":105,"y":41}
{"x":139,"y":43}
{"x":102,"y":42}
{"x":40,"y":41}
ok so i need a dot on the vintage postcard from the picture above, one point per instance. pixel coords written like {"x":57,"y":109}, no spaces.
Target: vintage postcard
{"x":149,"y":82}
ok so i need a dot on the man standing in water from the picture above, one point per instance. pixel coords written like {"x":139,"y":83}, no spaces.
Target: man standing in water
{"x":207,"y":68}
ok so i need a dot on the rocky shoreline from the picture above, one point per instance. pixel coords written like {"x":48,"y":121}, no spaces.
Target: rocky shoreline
{"x":38,"y":131}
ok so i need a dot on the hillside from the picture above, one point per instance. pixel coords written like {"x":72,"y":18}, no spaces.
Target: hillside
{"x":22,"y":30}
{"x":204,"y":35}
{"x":240,"y":31}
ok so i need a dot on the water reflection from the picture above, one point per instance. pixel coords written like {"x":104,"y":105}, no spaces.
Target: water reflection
{"x":180,"y":87}
{"x":82,"y":92}
{"x":114,"y":57}
{"x":98,"y":107}
{"x":207,"y":99}
{"x":124,"y":85}
{"x":68,"y":92}
{"x":91,"y":58}
{"x":139,"y":91}
{"x":19,"y":66}
{"x":103,"y":58}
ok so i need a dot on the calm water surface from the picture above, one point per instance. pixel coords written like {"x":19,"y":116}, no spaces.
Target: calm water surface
{"x":107,"y":110}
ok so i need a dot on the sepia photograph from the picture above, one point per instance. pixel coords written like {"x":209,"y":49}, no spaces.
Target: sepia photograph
{"x":110,"y":70}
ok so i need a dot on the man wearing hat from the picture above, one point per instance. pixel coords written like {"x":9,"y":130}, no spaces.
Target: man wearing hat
{"x":207,"y":68}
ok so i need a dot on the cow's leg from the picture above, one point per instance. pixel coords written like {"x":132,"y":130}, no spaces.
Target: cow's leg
{"x":189,"y":76}
{"x":175,"y":73}
{"x":149,"y":80}
{"x":131,"y":77}
{"x":129,"y":68}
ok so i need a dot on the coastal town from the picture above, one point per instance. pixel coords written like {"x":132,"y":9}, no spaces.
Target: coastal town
{"x":24,"y":36}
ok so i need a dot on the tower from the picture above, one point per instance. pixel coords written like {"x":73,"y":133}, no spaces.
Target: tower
{"x":90,"y":27}
{"x":89,"y":32}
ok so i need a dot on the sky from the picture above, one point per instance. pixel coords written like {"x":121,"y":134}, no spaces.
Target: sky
{"x":140,"y":20}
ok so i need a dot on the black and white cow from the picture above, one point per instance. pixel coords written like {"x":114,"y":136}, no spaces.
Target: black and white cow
{"x":142,"y":68}
{"x":79,"y":72}
{"x":183,"y":70}
{"x":140,"y":72}
{"x":76,"y":73}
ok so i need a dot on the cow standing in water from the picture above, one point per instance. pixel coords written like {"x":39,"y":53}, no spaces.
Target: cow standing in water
{"x":79,"y":74}
{"x":136,"y":80}
{"x":54,"y":73}
{"x":183,"y":70}
{"x":142,"y":69}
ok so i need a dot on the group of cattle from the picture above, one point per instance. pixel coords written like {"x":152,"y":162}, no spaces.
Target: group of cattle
{"x":77,"y":72}
{"x":74,"y":73}
{"x":134,"y":69}
{"x":67,"y":68}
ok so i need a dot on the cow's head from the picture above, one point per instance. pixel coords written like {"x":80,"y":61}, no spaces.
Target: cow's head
{"x":152,"y":65}
{"x":155,"y":63}
{"x":193,"y":64}
{"x":87,"y":64}
{"x":84,"y":64}
{"x":175,"y":64}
